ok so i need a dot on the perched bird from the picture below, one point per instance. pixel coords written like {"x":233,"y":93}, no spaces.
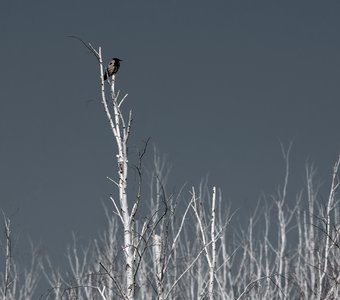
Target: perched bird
{"x":112,"y":68}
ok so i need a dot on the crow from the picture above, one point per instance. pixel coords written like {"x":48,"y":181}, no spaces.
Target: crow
{"x":112,"y":68}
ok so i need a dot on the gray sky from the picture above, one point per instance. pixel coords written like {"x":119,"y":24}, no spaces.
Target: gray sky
{"x":216,"y":84}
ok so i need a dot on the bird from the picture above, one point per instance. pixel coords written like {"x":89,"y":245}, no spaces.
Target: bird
{"x":112,"y":68}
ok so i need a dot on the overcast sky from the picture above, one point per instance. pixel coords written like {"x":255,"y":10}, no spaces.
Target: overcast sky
{"x":217,"y":85}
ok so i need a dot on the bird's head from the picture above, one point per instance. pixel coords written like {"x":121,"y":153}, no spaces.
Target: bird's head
{"x":116,"y":59}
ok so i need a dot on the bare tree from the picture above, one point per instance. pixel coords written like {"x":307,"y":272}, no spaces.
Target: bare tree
{"x":17,"y":283}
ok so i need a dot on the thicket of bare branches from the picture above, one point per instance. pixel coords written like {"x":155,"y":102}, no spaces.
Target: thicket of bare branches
{"x":187,"y":245}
